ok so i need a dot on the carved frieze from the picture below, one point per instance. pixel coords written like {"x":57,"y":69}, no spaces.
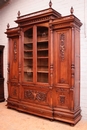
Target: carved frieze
{"x":62,"y":46}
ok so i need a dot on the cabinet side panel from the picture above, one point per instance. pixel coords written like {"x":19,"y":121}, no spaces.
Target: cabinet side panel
{"x":77,"y":68}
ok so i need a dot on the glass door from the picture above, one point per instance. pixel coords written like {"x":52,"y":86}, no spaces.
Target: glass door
{"x":28,"y":55}
{"x":42,"y":54}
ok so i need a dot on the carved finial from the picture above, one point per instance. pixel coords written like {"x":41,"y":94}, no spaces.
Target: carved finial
{"x":8,"y":26}
{"x":71,"y":10}
{"x":50,"y":4}
{"x":19,"y":13}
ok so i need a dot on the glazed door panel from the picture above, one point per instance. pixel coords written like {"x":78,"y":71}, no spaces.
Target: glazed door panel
{"x":62,"y":57}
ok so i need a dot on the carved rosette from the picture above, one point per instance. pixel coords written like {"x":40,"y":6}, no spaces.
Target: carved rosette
{"x":15,"y":51}
{"x":62,"y":46}
{"x":34,"y":95}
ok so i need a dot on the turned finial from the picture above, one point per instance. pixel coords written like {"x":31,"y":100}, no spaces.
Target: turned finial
{"x":71,"y":10}
{"x":8,"y":26}
{"x":19,"y":13}
{"x":50,"y":4}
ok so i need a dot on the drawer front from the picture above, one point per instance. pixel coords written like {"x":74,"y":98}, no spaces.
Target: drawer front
{"x":36,"y":111}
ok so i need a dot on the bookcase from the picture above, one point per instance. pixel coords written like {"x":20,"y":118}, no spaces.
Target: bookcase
{"x":44,"y":65}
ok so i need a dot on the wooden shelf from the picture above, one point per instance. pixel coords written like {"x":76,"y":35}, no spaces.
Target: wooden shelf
{"x":44,"y":49}
{"x":26,"y":58}
{"x":41,"y":41}
{"x":42,"y":71}
{"x":42,"y":57}
{"x":28,"y":50}
{"x":28,"y":42}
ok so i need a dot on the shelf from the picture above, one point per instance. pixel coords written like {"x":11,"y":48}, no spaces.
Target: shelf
{"x":42,"y":57}
{"x":28,"y":50}
{"x":42,"y":71}
{"x":44,"y":49}
{"x":28,"y":71}
{"x":29,"y":42}
{"x":42,"y":40}
{"x":26,"y":58}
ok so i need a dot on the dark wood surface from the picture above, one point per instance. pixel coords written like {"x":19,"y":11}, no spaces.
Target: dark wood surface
{"x":44,"y":65}
{"x":1,"y":74}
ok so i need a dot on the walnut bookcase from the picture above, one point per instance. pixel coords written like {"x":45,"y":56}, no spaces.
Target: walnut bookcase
{"x":44,"y":65}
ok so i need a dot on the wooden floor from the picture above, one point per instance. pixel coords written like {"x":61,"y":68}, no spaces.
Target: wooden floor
{"x":14,"y":120}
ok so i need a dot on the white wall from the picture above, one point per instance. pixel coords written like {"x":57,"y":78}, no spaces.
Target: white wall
{"x":9,"y":13}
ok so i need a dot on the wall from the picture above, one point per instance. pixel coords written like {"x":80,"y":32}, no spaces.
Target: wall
{"x":9,"y":13}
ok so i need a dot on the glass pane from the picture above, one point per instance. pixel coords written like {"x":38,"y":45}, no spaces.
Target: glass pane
{"x":28,"y":55}
{"x":42,"y":54}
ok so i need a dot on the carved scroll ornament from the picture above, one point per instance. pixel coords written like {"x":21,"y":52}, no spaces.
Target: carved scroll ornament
{"x":15,"y":51}
{"x":62,"y":46}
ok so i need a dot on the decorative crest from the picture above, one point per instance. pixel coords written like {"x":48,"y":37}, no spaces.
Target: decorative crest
{"x":8,"y":26}
{"x":50,"y":4}
{"x":19,"y":13}
{"x":71,"y":10}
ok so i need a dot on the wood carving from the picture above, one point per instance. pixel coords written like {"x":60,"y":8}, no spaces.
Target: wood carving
{"x":15,"y":51}
{"x":33,"y":95}
{"x":40,"y":96}
{"x":62,"y":99}
{"x":73,"y":70}
{"x":28,"y":94}
{"x":62,"y":46}
{"x":14,"y":92}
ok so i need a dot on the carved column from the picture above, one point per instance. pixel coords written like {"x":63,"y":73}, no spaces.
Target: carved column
{"x":51,"y":53}
{"x":72,"y":71}
{"x":19,"y":65}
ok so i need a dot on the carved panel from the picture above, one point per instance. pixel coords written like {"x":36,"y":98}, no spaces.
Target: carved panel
{"x":40,"y":96}
{"x":29,"y":94}
{"x":62,"y":97}
{"x":15,"y":51}
{"x":62,"y":46}
{"x":14,"y":92}
{"x":34,"y":95}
